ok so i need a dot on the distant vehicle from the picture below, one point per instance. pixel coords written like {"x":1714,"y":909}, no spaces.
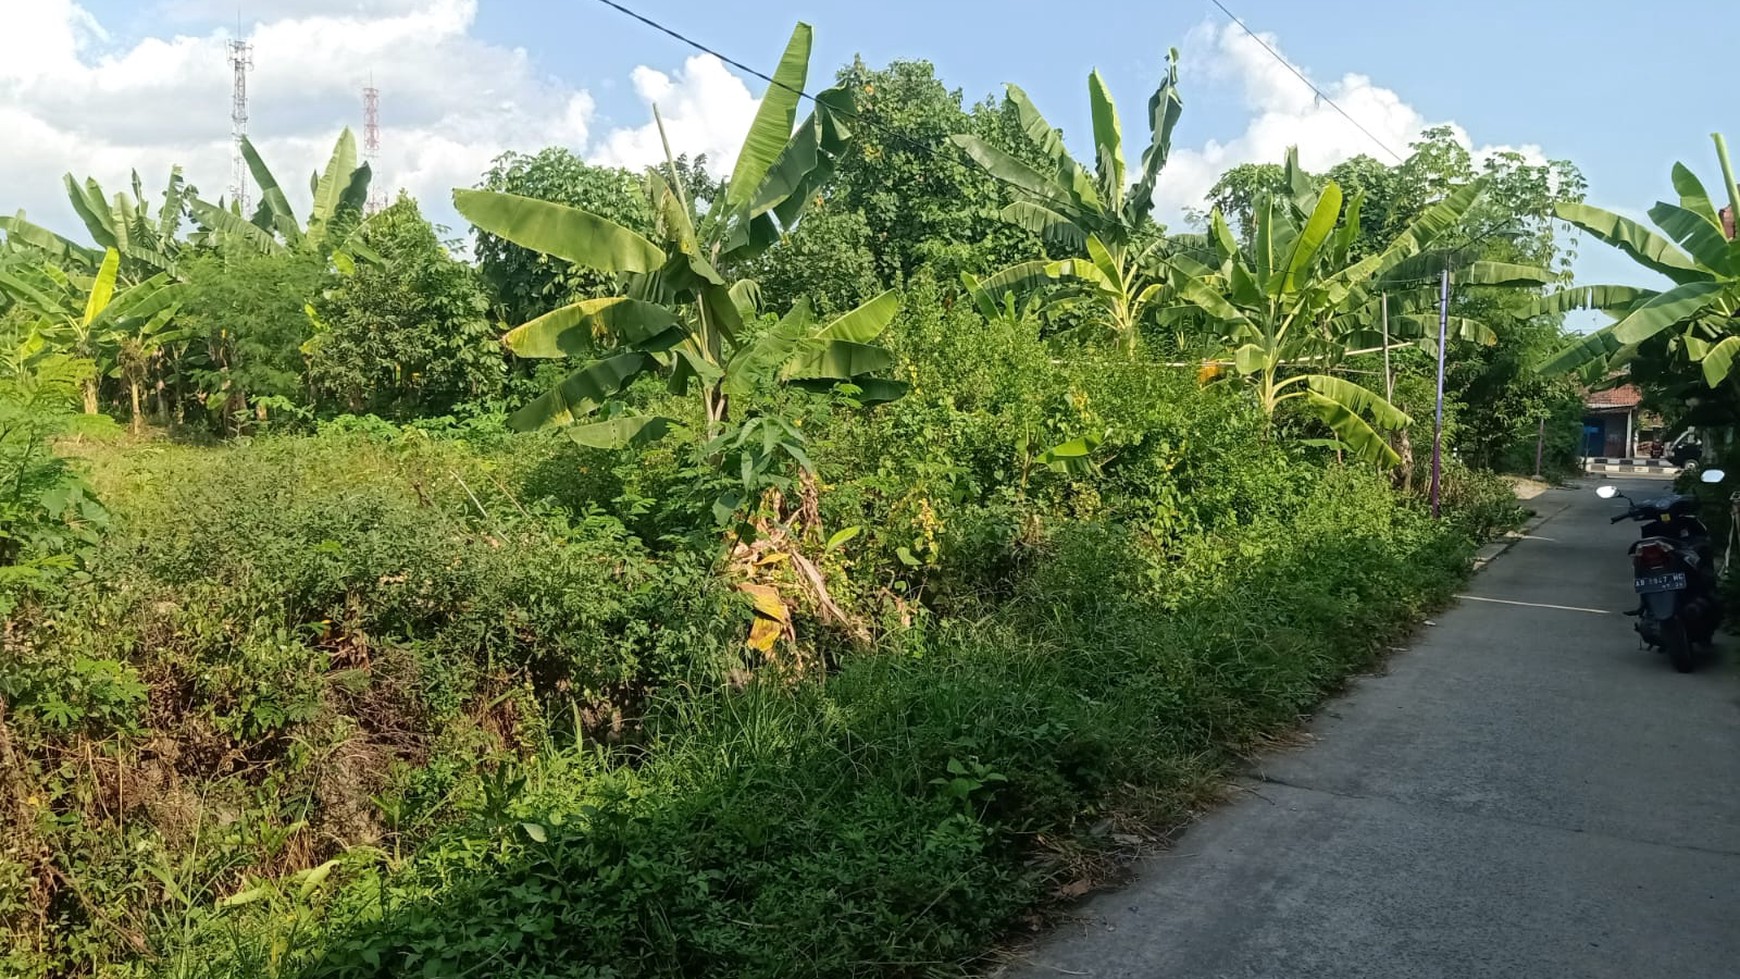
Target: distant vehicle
{"x":1686,"y":454}
{"x":1674,"y":573}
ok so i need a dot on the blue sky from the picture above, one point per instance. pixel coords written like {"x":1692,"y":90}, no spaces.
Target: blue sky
{"x":1588,"y":81}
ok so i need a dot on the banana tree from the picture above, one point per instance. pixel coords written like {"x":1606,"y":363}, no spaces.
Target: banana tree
{"x":1289,"y":305}
{"x":1107,"y":223}
{"x":340,"y":191}
{"x":1694,"y":318}
{"x":146,"y":241}
{"x":80,"y":312}
{"x":27,"y":241}
{"x":679,"y":314}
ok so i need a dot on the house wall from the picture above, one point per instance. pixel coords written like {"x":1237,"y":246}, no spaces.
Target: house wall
{"x":1609,"y":434}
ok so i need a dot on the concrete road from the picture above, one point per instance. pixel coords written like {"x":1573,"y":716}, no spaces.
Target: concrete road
{"x":1525,"y":793}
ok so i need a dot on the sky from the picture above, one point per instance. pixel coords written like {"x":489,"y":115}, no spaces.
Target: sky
{"x":99,"y":87}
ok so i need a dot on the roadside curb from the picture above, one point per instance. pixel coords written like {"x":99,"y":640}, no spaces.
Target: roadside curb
{"x":1491,"y":551}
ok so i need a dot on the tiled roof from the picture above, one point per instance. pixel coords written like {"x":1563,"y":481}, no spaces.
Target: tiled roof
{"x":1623,"y":396}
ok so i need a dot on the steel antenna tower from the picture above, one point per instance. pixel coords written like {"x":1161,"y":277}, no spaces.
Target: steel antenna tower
{"x":372,"y":145}
{"x":241,"y":61}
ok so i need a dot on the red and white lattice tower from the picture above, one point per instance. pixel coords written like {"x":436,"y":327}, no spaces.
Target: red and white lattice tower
{"x":241,"y":60}
{"x":372,"y":146}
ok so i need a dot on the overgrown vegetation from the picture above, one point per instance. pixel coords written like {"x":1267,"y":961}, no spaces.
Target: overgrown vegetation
{"x":855,"y":596}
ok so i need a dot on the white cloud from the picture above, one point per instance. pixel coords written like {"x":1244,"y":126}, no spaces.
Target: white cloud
{"x":1284,"y":111}
{"x":706,"y":109}
{"x":74,"y":99}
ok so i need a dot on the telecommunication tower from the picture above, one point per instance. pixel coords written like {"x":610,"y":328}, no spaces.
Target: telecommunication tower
{"x":372,"y":145}
{"x":241,"y":60}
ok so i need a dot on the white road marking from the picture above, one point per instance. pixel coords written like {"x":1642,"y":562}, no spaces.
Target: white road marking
{"x":1561,"y":608}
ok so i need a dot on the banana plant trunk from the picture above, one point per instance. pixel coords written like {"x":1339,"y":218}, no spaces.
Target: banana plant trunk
{"x":137,"y":427}
{"x":90,"y":393}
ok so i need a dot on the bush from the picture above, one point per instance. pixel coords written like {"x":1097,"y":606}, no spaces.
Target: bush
{"x":885,"y":816}
{"x":434,"y":697}
{"x":305,"y":634}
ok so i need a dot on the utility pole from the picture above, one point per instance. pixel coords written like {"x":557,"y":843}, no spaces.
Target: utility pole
{"x":1438,"y":426}
{"x":1540,"y":445}
{"x":1389,"y":379}
{"x":241,"y":60}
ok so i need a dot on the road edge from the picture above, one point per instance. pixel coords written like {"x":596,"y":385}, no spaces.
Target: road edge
{"x":1493,"y":549}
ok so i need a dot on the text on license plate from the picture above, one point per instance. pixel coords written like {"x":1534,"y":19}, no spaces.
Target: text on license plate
{"x":1661,"y":582}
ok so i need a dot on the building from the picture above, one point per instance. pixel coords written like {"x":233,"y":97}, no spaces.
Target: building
{"x":1615,"y":426}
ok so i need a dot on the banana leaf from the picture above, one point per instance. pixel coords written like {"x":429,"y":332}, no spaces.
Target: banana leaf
{"x":866,"y":322}
{"x":1669,"y":308}
{"x":103,"y":286}
{"x":582,"y":392}
{"x":273,"y":203}
{"x":334,"y":182}
{"x":570,"y":330}
{"x":1108,"y":140}
{"x":840,"y":360}
{"x":92,"y":209}
{"x":1352,"y":430}
{"x":1643,"y":245}
{"x":630,"y":431}
{"x":1693,"y":196}
{"x":54,"y":246}
{"x":772,"y":127}
{"x":1718,"y":361}
{"x":1589,"y":297}
{"x":557,"y":229}
{"x":1702,"y":239}
{"x":227,"y":224}
{"x":1316,"y":231}
{"x":1596,"y":346}
{"x":1051,"y":227}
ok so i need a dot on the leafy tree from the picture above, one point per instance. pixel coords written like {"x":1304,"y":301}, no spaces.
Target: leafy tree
{"x":828,"y":258}
{"x":407,"y":335}
{"x":244,"y":321}
{"x":527,"y":284}
{"x":922,"y":201}
{"x":1236,"y":193}
{"x":1106,"y":224}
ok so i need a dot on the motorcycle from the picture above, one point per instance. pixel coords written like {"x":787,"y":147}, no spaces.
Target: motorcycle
{"x":1674,"y":572}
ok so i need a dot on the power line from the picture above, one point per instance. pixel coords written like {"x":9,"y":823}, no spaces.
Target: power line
{"x":769,"y":79}
{"x":1309,"y":83}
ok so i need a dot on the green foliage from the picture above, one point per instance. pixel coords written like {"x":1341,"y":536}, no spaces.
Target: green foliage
{"x":406,"y":336}
{"x":385,"y":686}
{"x":48,"y":517}
{"x":1106,"y":225}
{"x":828,"y":258}
{"x":923,"y":201}
{"x":340,"y":190}
{"x":526,"y":284}
{"x":245,"y":319}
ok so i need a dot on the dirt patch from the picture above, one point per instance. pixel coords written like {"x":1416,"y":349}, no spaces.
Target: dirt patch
{"x":1526,"y":488}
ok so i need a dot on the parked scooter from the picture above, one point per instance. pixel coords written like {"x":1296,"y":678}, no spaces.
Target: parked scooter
{"x":1674,"y":565}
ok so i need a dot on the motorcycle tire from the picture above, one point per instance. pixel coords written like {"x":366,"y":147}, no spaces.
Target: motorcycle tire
{"x":1678,"y":645}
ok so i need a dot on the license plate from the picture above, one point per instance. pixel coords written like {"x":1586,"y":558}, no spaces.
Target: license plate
{"x":1661,"y":582}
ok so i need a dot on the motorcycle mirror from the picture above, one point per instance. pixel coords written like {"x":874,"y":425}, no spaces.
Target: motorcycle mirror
{"x":1607,"y":492}
{"x":1712,"y":476}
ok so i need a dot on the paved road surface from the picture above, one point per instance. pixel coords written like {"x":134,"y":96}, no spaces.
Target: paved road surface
{"x":1524,"y":794}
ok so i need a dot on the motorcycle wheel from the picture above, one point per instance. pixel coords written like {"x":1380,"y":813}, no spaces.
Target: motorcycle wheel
{"x":1678,"y":645}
